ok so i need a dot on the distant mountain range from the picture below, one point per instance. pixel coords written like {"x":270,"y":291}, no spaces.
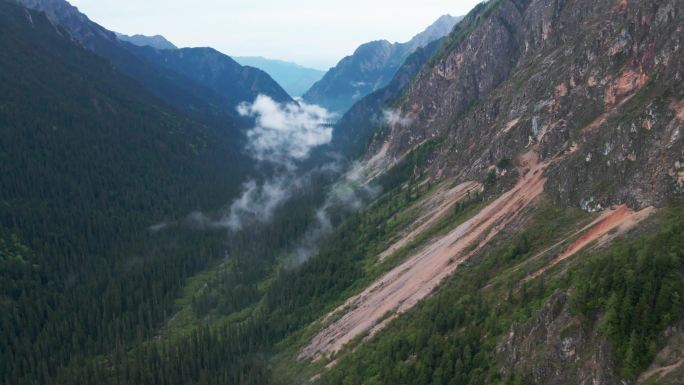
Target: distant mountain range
{"x":366,"y":117}
{"x":218,"y":73}
{"x":370,"y":68}
{"x":156,"y":41}
{"x":295,"y":79}
{"x":165,"y":72}
{"x":208,"y":82}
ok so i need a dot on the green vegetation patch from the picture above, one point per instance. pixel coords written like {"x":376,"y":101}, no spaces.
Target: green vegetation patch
{"x":635,"y":290}
{"x":451,"y":338}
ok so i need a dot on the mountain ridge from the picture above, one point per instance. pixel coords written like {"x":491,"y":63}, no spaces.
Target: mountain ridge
{"x":295,"y":79}
{"x":371,"y":67}
{"x":156,"y":41}
{"x":454,"y":88}
{"x":367,"y":117}
{"x":175,"y":88}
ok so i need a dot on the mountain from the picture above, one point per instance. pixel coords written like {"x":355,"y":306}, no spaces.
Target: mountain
{"x":482,"y":83}
{"x":515,"y":214}
{"x":570,"y":151}
{"x":295,"y":79}
{"x":144,"y":66}
{"x":216,"y":72}
{"x":156,"y":42}
{"x":90,"y":159}
{"x":354,"y":130}
{"x":370,"y":68}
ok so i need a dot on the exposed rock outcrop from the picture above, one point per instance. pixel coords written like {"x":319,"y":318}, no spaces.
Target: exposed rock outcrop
{"x":600,"y":82}
{"x":554,"y":348}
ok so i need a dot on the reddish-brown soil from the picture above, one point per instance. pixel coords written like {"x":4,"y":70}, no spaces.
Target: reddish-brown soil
{"x":648,"y":376}
{"x":434,"y":209}
{"x":509,"y":126}
{"x":621,"y":91}
{"x":624,"y":86}
{"x":679,"y":110}
{"x":404,"y":286}
{"x":561,"y":90}
{"x":621,"y":6}
{"x":609,"y":225}
{"x":598,"y":122}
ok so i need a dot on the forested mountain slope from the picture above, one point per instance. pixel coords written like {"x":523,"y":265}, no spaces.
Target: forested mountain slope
{"x":89,"y":160}
{"x":216,"y":72}
{"x":523,"y":90}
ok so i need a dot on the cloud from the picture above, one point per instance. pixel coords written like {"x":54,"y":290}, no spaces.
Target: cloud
{"x":285,"y":133}
{"x":158,"y":227}
{"x":349,"y":194}
{"x":199,"y":220}
{"x":395,"y":117}
{"x":258,"y":202}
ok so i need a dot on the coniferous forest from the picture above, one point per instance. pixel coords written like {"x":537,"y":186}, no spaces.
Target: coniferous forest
{"x":121,"y":262}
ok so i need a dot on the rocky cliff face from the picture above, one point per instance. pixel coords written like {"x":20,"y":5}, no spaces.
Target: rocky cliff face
{"x":598,"y":86}
{"x":370,"y":68}
{"x":440,"y":28}
{"x":584,"y":101}
{"x":78,"y":25}
{"x":556,"y":348}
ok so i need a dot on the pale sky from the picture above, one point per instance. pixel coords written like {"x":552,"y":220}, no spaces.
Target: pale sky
{"x":315,"y":33}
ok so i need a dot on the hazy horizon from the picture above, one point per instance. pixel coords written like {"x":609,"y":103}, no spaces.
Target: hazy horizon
{"x":311,"y":33}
